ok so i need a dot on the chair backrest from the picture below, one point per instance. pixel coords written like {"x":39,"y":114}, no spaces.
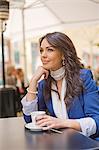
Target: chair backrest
{"x":7,"y":102}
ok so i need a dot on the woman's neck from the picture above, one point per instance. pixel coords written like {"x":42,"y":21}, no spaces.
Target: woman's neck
{"x":58,"y":74}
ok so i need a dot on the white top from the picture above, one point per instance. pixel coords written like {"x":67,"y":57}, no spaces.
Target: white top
{"x":59,"y":104}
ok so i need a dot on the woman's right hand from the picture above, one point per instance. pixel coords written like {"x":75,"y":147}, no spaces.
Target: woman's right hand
{"x":39,"y":73}
{"x":33,"y":83}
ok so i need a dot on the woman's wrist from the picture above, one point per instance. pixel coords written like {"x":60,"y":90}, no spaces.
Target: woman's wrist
{"x":35,"y":79}
{"x":72,"y":123}
{"x":31,"y":91}
{"x":30,"y":97}
{"x":32,"y":85}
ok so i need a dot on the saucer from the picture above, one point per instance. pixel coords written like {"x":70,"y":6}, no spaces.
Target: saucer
{"x":33,"y":127}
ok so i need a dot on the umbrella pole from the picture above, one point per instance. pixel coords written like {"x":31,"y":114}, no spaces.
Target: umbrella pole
{"x":3,"y":65}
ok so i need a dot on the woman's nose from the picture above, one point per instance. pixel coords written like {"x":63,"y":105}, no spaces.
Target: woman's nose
{"x":44,"y":54}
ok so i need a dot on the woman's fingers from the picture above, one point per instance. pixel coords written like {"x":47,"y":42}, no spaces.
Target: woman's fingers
{"x":46,"y":121}
{"x":41,"y":119}
{"x":46,"y":75}
{"x":44,"y":124}
{"x":44,"y":72}
{"x":39,"y":72}
{"x":48,"y":127}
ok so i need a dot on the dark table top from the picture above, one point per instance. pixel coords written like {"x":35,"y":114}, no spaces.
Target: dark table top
{"x":13,"y":136}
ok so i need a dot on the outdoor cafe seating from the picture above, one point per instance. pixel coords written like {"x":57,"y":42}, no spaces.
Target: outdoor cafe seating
{"x":9,"y":102}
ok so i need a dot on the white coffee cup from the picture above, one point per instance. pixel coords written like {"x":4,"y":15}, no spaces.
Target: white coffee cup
{"x":34,"y":114}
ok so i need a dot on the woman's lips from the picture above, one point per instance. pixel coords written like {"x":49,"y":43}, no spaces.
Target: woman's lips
{"x":44,"y":62}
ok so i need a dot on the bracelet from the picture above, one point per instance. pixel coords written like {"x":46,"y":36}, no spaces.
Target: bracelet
{"x":31,"y":91}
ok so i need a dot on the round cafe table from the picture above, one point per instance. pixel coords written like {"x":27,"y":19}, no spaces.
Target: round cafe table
{"x":14,"y":136}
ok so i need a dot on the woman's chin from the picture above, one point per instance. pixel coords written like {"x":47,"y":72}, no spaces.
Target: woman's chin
{"x":49,"y":67}
{"x":46,"y":67}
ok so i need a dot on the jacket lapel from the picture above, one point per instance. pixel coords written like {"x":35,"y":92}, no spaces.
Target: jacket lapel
{"x":50,"y":107}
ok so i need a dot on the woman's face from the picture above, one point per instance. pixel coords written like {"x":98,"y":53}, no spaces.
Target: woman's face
{"x":51,"y":57}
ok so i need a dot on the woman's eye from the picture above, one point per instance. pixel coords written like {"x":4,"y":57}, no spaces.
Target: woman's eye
{"x":41,"y":50}
{"x":50,"y":49}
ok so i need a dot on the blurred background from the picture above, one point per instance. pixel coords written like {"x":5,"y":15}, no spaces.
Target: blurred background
{"x":29,"y":19}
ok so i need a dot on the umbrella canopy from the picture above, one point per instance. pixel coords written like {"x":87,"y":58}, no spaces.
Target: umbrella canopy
{"x":47,"y":15}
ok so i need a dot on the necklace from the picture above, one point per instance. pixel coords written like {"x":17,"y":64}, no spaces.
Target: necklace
{"x":58,"y":74}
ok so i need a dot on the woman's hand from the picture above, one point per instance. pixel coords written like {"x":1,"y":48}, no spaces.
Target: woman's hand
{"x":39,"y":72}
{"x":48,"y":122}
{"x":36,"y":77}
{"x":34,"y":81}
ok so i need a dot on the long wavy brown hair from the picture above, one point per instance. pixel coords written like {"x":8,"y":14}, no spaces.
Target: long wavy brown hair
{"x":72,"y":66}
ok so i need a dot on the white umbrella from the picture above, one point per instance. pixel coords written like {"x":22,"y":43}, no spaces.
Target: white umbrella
{"x":47,"y":15}
{"x":34,"y":17}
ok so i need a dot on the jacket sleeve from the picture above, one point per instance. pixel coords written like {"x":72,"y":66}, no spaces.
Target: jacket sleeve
{"x":41,"y":101}
{"x":91,"y":98}
{"x":40,"y":104}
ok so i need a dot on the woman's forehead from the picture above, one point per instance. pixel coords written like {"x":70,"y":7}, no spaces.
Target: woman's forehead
{"x":45,"y":43}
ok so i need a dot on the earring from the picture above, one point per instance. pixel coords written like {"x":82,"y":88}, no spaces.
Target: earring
{"x":63,"y":62}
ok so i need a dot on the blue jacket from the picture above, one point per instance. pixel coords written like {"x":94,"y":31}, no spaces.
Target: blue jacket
{"x":85,"y":105}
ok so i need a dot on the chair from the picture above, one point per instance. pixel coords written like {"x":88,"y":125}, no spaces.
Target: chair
{"x":7,"y":102}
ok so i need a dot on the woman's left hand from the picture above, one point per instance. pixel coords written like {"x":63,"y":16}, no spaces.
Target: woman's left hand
{"x":48,"y":122}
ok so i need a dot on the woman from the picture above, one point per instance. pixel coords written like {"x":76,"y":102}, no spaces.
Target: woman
{"x":11,"y":76}
{"x":20,"y":81}
{"x":68,"y":93}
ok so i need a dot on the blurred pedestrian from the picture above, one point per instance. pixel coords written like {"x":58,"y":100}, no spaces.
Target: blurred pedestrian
{"x":97,"y":76}
{"x":20,"y":80}
{"x":11,"y":75}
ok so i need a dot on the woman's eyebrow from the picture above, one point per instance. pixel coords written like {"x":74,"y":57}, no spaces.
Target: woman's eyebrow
{"x":49,"y":47}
